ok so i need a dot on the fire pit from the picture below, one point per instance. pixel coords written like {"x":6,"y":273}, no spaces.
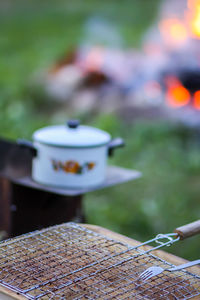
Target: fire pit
{"x":163,"y":76}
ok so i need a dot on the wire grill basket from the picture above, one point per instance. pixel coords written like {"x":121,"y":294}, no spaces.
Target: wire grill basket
{"x":69,"y":261}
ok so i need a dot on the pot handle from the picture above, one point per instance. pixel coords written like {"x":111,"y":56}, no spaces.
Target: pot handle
{"x":115,"y":143}
{"x":29,"y":145}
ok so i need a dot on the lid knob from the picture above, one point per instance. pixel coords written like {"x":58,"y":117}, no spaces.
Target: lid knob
{"x":73,"y":123}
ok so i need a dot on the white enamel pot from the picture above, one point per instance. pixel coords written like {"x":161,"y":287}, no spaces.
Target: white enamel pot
{"x":71,"y":156}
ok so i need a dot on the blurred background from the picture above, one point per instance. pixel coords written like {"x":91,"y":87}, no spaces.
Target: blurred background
{"x":129,"y":67}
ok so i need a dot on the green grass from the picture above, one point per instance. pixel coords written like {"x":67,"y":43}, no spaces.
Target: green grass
{"x":166,"y":196}
{"x":33,"y":34}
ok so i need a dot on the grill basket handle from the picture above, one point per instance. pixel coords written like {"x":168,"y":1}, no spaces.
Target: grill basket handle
{"x":188,"y":230}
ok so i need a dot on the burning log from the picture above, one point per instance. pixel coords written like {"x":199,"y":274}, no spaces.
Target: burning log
{"x":66,"y":60}
{"x":72,"y":73}
{"x":95,"y":79}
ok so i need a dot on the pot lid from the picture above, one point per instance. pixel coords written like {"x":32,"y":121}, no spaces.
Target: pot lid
{"x":72,"y":135}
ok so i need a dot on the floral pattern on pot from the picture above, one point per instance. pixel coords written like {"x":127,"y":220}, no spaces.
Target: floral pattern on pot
{"x":72,"y":166}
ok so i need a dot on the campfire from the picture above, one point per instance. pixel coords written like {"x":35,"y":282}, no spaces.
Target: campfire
{"x":181,"y":37}
{"x":165,"y":73}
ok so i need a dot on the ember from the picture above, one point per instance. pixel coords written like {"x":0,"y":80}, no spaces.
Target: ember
{"x":177,"y":95}
{"x":197,"y":100}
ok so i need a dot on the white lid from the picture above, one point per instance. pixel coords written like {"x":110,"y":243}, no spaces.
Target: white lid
{"x":71,"y":135}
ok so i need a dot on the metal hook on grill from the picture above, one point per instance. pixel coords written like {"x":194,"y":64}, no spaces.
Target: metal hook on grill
{"x":166,"y":239}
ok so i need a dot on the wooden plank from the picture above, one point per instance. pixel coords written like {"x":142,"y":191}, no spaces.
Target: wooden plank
{"x":6,"y":294}
{"x":114,"y":176}
{"x":160,"y":253}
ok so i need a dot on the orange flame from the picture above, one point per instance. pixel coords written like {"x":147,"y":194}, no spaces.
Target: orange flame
{"x":177,"y":95}
{"x":173,"y":31}
{"x":194,"y":17}
{"x":196,"y":100}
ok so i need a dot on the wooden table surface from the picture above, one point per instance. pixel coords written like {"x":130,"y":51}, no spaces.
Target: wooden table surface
{"x":6,"y":294}
{"x":160,"y":253}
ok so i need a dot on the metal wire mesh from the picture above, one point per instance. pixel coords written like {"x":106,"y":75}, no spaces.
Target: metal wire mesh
{"x":70,"y":262}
